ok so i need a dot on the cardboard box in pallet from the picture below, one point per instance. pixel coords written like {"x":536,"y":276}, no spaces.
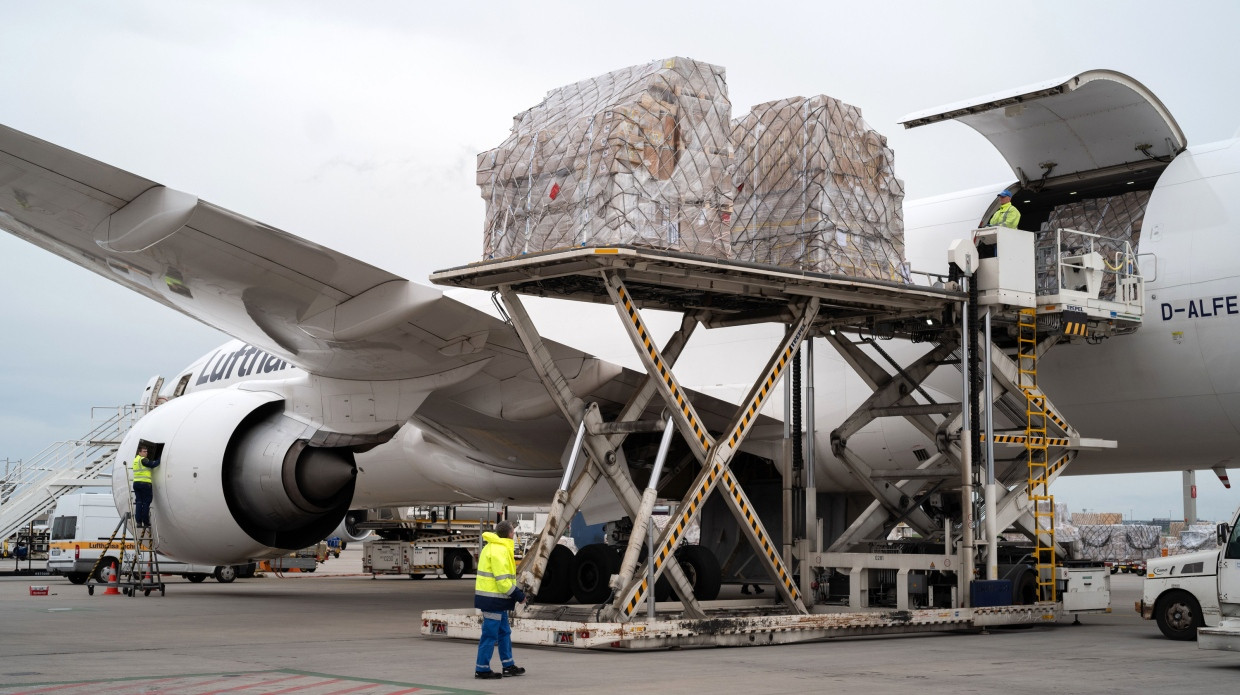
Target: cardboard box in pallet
{"x":815,"y":190}
{"x":1116,"y":218}
{"x":636,"y":156}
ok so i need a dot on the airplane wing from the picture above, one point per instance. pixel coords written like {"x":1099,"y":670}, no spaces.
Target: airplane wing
{"x":321,"y":310}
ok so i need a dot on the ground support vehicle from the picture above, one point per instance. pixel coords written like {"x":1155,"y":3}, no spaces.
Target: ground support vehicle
{"x":305,"y":560}
{"x":84,"y":549}
{"x":940,"y":499}
{"x":421,"y":547}
{"x":1197,"y":595}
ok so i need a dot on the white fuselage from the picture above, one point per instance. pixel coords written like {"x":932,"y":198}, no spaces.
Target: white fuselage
{"x":1169,"y":394}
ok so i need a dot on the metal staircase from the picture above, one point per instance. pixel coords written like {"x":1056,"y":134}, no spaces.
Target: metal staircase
{"x":32,"y":487}
{"x":1039,"y":465}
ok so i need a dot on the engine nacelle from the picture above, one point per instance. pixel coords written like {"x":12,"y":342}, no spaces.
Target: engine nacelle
{"x":237,"y":480}
{"x":348,"y":531}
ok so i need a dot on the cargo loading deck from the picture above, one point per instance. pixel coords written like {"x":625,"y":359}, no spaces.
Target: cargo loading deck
{"x":930,"y":593}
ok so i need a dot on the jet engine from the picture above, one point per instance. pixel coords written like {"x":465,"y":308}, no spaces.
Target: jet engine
{"x":348,"y":532}
{"x":238,"y":478}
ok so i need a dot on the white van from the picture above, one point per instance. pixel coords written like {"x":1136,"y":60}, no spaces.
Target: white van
{"x":83,"y":522}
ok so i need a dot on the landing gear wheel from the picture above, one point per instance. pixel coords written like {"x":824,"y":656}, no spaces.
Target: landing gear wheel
{"x":78,"y":577}
{"x":591,"y":571}
{"x":702,"y":569}
{"x":455,"y":563}
{"x":1178,"y":615}
{"x":225,"y":574}
{"x":417,"y":575}
{"x":555,"y":586}
{"x":663,"y":587}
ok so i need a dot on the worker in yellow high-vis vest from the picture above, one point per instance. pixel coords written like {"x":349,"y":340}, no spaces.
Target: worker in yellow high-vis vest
{"x":495,"y":593}
{"x":1007,"y":215}
{"x":142,"y":490}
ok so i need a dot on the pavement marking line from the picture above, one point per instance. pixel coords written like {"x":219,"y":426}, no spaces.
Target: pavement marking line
{"x":363,"y":686}
{"x":254,"y":681}
{"x":51,"y":689}
{"x":250,"y":685}
{"x":295,"y":688}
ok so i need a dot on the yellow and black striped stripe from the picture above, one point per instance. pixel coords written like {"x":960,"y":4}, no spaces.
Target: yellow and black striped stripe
{"x":1055,"y":467}
{"x":1020,"y":439}
{"x":768,"y":385}
{"x":1036,"y":398}
{"x":751,"y":518}
{"x":686,"y":517}
{"x":665,"y":373}
{"x":717,"y":472}
{"x":1075,"y":328}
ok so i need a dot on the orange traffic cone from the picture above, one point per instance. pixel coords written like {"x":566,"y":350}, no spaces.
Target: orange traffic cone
{"x":111,"y":582}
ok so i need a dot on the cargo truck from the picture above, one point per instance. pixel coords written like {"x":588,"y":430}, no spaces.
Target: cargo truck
{"x":1197,"y":595}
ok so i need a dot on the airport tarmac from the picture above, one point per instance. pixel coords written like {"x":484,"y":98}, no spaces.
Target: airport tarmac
{"x":338,"y":631}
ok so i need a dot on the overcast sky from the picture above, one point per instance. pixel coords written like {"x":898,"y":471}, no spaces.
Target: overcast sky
{"x":355,"y":125}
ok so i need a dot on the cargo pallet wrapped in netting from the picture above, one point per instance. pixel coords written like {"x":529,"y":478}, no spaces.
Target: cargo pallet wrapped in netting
{"x":1117,"y":219}
{"x":649,"y":156}
{"x":637,"y":156}
{"x":1190,"y":539}
{"x":1101,"y":542}
{"x":816,"y":190}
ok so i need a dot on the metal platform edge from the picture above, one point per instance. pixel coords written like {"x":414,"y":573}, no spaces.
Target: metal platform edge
{"x":735,"y":631}
{"x":544,"y":274}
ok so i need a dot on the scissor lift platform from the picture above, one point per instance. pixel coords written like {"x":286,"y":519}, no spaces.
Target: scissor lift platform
{"x":730,"y":292}
{"x":715,"y":292}
{"x":727,"y":625}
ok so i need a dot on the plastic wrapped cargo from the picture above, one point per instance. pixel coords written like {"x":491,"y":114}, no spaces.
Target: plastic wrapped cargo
{"x":1116,"y":218}
{"x":816,"y":190}
{"x":1102,"y":542}
{"x":637,"y":156}
{"x":1191,"y":539}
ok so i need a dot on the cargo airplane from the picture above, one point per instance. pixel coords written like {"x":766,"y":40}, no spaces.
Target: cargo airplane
{"x":350,"y":387}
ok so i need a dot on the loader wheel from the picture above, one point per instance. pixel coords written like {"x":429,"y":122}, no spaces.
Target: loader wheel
{"x":1025,"y":589}
{"x":1178,"y":615}
{"x":455,"y":563}
{"x":555,"y":586}
{"x":591,"y":572}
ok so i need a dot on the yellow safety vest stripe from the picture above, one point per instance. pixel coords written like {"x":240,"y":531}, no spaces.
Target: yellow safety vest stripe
{"x":1006,"y":216}
{"x":141,"y":474}
{"x":497,"y":571}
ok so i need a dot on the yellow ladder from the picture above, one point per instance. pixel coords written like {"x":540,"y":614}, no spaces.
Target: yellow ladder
{"x":1039,"y":465}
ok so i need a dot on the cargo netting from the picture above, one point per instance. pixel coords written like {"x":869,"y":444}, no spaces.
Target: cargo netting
{"x":637,"y":156}
{"x":649,"y":156}
{"x":1190,"y":538}
{"x":1101,"y":542}
{"x":816,"y":190}
{"x":1117,"y":219}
